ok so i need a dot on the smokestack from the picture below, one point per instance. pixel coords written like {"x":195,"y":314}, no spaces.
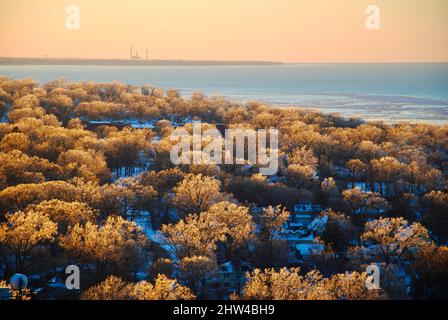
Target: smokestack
{"x":131,"y":52}
{"x":146,"y":54}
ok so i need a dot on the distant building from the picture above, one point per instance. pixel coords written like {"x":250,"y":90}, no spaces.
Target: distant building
{"x":136,"y":56}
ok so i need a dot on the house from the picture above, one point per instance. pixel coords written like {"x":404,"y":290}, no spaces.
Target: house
{"x":227,"y":279}
{"x":307,"y":208}
{"x":317,"y":226}
{"x":55,"y":289}
{"x":301,"y":242}
{"x":300,"y":219}
{"x":304,"y":213}
{"x":300,"y":233}
{"x":307,"y":247}
{"x":300,"y":230}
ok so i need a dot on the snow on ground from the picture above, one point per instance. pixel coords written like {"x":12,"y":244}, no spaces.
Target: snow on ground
{"x":143,"y":220}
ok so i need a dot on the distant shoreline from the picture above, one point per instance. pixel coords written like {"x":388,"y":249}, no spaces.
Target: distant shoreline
{"x":127,"y":62}
{"x":17,"y":61}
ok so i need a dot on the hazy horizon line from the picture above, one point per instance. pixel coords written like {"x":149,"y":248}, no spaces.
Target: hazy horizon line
{"x":142,"y":60}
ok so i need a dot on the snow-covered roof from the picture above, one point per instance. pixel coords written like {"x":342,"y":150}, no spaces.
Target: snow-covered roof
{"x":304,"y":207}
{"x":294,"y":236}
{"x":318,"y":223}
{"x":308,"y":248}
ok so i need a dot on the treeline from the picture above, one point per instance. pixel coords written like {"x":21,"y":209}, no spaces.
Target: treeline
{"x":68,"y":193}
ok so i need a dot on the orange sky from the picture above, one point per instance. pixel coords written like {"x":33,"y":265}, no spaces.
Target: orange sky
{"x":281,"y":30}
